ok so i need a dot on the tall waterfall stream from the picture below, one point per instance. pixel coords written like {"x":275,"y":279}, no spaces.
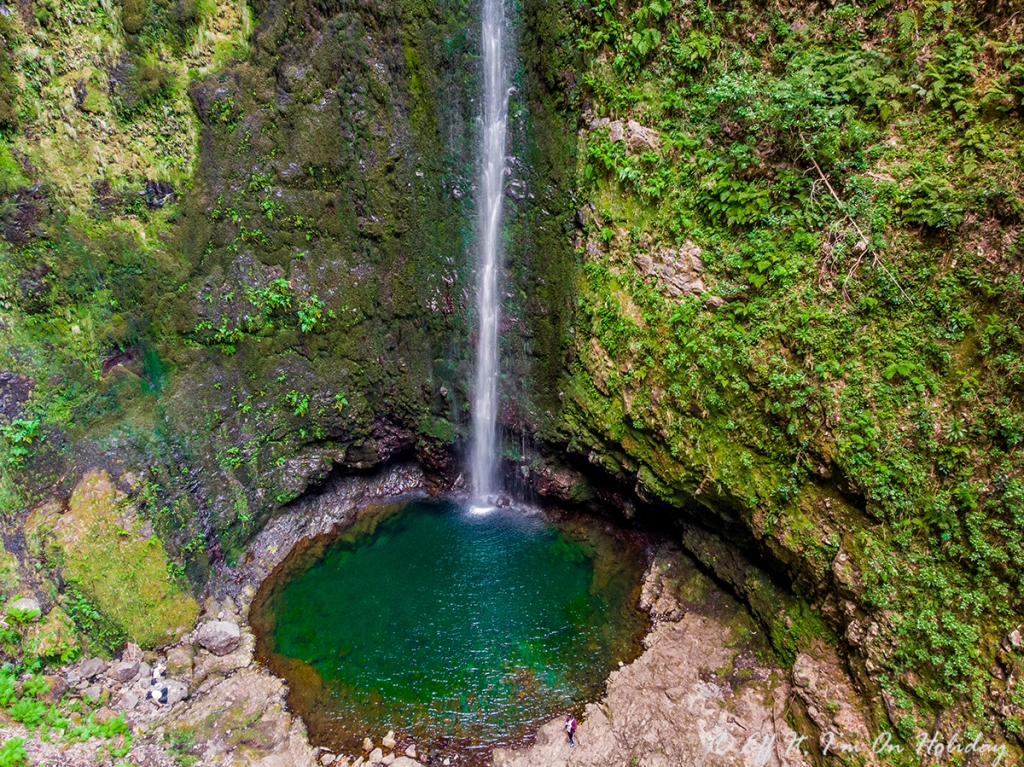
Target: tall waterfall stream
{"x":492,"y":158}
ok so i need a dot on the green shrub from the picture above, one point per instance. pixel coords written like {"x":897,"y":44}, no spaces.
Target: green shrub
{"x":133,"y":15}
{"x":138,"y":84}
{"x":8,"y":83}
{"x":12,"y":753}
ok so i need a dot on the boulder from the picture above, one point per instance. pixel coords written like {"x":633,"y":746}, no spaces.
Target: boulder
{"x":367,"y":745}
{"x":375,"y":756}
{"x":92,"y":693}
{"x":640,"y":137}
{"x":405,"y":761}
{"x":92,"y":667}
{"x":411,"y":751}
{"x":179,"y":660}
{"x":26,"y":608}
{"x":127,"y":701}
{"x":327,"y":759}
{"x":176,"y":691}
{"x":389,"y":740}
{"x":388,"y":759}
{"x":132,"y":652}
{"x":219,"y":637}
{"x":57,"y":687}
{"x":124,"y":671}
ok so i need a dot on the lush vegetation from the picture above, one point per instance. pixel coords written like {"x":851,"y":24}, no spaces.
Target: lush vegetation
{"x":229,"y":263}
{"x":232,"y":317}
{"x":28,"y":699}
{"x":852,"y":379}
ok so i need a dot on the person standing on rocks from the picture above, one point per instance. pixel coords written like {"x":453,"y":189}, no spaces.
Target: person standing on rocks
{"x":570,"y":729}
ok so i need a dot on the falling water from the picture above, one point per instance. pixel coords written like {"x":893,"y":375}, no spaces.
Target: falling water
{"x":485,"y":402}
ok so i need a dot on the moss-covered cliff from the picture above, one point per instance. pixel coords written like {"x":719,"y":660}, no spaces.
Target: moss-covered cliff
{"x":798,"y":317}
{"x":764,"y":281}
{"x":238,"y":249}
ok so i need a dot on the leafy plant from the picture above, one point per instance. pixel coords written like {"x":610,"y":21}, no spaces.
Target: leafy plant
{"x":311,"y":314}
{"x":12,"y":753}
{"x":298,"y":401}
{"x":19,"y":435}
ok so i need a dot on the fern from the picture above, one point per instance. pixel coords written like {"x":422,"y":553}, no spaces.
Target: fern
{"x":875,"y":7}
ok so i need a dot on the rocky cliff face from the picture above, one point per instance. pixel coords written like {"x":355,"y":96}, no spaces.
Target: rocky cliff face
{"x":764,"y":284}
{"x":797,"y":329}
{"x":244,"y":256}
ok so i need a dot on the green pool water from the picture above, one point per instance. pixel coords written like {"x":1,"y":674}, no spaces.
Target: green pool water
{"x":452,"y":628}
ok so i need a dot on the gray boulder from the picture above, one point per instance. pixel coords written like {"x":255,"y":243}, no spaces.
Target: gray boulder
{"x":127,"y":701}
{"x":132,"y":652}
{"x":92,"y":693}
{"x":26,"y":606}
{"x":219,"y":637}
{"x":124,"y":671}
{"x":176,"y":691}
{"x":92,"y":667}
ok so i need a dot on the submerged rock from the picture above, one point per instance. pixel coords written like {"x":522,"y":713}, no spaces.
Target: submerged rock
{"x":219,"y":637}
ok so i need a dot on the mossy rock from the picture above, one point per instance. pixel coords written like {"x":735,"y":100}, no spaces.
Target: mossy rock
{"x":95,"y":101}
{"x":108,"y":554}
{"x":54,"y":638}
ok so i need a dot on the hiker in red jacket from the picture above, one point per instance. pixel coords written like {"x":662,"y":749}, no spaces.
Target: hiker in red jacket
{"x":570,"y":729}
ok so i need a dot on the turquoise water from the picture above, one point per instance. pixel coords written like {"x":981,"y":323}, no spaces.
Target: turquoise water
{"x":449,"y":627}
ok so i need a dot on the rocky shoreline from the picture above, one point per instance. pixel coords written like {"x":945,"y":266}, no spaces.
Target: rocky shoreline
{"x":704,"y":691}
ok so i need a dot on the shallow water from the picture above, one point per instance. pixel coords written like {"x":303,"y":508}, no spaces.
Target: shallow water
{"x":453,"y":628}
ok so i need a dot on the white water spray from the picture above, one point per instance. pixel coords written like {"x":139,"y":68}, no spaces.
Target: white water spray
{"x":492,"y":158}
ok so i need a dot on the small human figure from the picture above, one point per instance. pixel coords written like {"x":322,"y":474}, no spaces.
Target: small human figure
{"x":157,"y":689}
{"x":570,"y":729}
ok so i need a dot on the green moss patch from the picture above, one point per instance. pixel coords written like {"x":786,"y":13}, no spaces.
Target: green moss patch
{"x":109,"y":556}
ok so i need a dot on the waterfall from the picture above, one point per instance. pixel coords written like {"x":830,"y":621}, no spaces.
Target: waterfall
{"x":489,"y":201}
